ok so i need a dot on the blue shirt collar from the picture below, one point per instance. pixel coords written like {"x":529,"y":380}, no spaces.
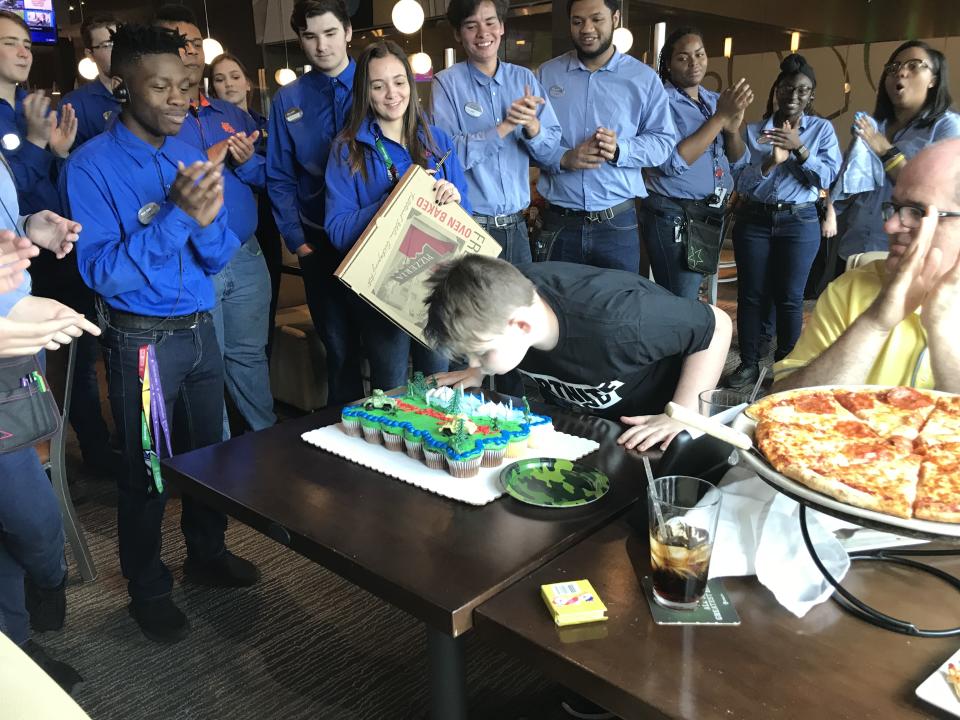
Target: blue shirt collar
{"x":345,"y":78}
{"x":573,"y":62}
{"x":141,"y":152}
{"x":482,"y":78}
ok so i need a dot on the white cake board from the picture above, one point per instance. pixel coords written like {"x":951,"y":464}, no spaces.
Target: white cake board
{"x":478,"y":490}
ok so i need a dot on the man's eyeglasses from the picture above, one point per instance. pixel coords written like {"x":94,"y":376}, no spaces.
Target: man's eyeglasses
{"x":108,"y":45}
{"x":910,"y":215}
{"x":913,"y":66}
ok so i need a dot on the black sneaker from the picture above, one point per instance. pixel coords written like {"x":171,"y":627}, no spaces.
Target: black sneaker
{"x":160,"y":620}
{"x":47,"y":606}
{"x":228,"y":570}
{"x":64,"y":675}
{"x":744,"y":376}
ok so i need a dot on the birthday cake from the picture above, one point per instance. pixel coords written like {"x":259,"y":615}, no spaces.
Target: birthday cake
{"x":446,"y":429}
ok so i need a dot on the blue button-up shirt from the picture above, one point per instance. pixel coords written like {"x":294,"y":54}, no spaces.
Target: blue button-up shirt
{"x":677,"y":179}
{"x":35,"y":170}
{"x":210,"y":123}
{"x":468,"y":105}
{"x":352,"y":201}
{"x":863,"y":186}
{"x":159,"y":269}
{"x":305,"y":117}
{"x":10,"y":219}
{"x":94,"y":105}
{"x":624,"y":96}
{"x":791,"y":181}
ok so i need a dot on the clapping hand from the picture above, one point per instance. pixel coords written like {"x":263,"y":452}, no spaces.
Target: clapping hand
{"x":63,"y":134}
{"x":242,"y":147}
{"x":606,"y":143}
{"x":198,"y":191}
{"x":57,"y":234}
{"x":732,"y":103}
{"x":523,"y":112}
{"x":15,"y":254}
{"x":865,"y":128}
{"x":783,"y":141}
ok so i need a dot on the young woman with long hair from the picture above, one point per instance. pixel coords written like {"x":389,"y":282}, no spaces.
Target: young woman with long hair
{"x":384,"y":135}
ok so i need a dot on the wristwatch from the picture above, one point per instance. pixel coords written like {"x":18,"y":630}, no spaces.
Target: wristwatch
{"x":801,"y":153}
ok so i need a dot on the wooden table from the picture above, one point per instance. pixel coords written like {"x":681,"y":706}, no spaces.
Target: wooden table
{"x":435,"y":558}
{"x":827,"y":665}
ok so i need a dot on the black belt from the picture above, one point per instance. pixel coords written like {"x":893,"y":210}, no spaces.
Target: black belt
{"x":760,"y":208}
{"x":682,"y":204}
{"x":499,"y":221}
{"x":131,"y":321}
{"x":594,"y":215}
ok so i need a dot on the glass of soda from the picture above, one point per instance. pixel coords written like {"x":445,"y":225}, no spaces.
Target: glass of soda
{"x":683,"y":524}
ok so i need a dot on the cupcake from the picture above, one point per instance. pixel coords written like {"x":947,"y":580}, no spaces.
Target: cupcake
{"x":465,"y":463}
{"x":518,"y":442}
{"x":371,"y":430}
{"x":413,"y":444}
{"x":493,"y":451}
{"x":393,"y":435}
{"x":434,"y":458}
{"x":541,"y":430}
{"x":351,"y":423}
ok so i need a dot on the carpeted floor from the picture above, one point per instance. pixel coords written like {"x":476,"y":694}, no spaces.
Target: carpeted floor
{"x":303,"y":644}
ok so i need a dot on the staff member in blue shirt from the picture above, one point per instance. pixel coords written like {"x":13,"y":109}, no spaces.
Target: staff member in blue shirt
{"x":698,"y":171}
{"x":230,"y":81}
{"x":914,"y":109}
{"x":497,"y":116}
{"x":616,"y":121}
{"x":305,"y":117}
{"x":94,"y":102}
{"x":793,"y":154}
{"x":154,"y":234}
{"x":242,"y":288}
{"x":385,"y":134}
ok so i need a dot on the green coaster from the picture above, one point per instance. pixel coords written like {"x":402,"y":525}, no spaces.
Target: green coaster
{"x":550,"y":482}
{"x":715,"y":608}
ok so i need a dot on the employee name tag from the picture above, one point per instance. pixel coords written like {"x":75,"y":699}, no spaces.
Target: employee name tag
{"x":147,"y":213}
{"x":557,"y":91}
{"x":293,"y":114}
{"x":473,"y":109}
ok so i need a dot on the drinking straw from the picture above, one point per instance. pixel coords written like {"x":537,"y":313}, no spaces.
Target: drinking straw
{"x":653,"y":492}
{"x":756,"y":388}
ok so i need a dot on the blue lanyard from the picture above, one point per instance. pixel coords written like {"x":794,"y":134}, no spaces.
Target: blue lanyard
{"x":715,"y":145}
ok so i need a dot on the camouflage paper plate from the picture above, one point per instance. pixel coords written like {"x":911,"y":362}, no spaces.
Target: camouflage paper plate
{"x":551,"y":482}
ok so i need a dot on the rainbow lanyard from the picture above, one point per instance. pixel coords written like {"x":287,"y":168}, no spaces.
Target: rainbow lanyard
{"x":153,"y":411}
{"x":387,"y":160}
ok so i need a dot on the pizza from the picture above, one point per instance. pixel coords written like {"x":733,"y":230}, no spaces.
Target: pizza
{"x":891,"y":450}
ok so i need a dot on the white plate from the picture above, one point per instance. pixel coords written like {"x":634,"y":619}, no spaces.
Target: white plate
{"x":937,"y":691}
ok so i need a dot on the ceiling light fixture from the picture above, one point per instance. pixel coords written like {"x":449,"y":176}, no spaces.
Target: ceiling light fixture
{"x":407,"y":16}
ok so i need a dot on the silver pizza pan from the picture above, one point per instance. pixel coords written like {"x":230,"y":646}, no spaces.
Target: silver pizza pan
{"x":910,"y":527}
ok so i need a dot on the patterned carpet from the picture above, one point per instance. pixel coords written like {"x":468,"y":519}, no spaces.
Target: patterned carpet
{"x":303,"y":644}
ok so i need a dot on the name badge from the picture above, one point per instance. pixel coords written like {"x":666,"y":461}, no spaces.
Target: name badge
{"x":473,"y":109}
{"x":10,"y":141}
{"x":293,"y":114}
{"x":147,"y":213}
{"x":557,"y":91}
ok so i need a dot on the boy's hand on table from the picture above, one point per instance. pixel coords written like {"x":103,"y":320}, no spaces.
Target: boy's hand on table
{"x":648,"y":430}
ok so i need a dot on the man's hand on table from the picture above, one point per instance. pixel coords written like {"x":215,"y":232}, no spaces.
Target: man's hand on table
{"x":648,"y":430}
{"x":469,"y":378}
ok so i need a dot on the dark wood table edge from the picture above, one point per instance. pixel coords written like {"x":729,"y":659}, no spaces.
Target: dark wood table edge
{"x":454,"y":622}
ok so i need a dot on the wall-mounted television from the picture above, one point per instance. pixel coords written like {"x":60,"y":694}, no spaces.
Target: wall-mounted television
{"x":39,"y":17}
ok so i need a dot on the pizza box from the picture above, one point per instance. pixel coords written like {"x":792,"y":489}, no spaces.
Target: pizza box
{"x":407,"y":238}
{"x":911,"y":527}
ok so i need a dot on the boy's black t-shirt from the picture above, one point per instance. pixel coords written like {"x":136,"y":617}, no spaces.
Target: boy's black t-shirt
{"x":622,"y":339}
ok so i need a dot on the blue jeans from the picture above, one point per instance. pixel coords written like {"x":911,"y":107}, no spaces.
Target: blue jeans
{"x":613,"y":243}
{"x":191,"y":372}
{"x":240,"y":317}
{"x":774,"y":254}
{"x":31,"y":538}
{"x":666,"y":253}
{"x":515,"y":242}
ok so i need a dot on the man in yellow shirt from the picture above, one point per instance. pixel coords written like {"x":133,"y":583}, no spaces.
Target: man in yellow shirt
{"x":868,"y":327}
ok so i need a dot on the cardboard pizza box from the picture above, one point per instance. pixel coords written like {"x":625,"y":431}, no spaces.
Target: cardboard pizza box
{"x":407,"y":238}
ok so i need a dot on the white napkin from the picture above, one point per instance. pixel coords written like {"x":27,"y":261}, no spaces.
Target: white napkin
{"x":758,"y":532}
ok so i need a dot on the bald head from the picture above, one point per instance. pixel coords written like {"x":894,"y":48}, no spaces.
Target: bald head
{"x":932,"y":177}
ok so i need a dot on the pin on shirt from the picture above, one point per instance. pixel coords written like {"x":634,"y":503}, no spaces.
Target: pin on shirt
{"x":293,"y":114}
{"x":147,"y":213}
{"x":557,"y":91}
{"x":473,"y":109}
